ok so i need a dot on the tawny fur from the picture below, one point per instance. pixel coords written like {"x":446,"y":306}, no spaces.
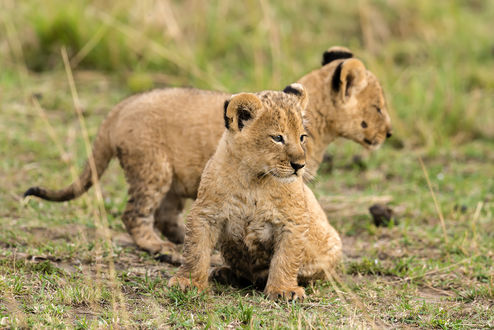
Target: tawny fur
{"x":164,"y":138}
{"x":254,"y":206}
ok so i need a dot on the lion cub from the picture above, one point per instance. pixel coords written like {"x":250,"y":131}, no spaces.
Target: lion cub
{"x":253,"y":204}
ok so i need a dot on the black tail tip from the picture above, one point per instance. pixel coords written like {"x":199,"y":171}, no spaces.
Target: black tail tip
{"x":33,"y":191}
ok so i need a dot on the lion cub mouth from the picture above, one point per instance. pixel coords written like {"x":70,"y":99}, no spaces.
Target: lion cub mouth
{"x":290,"y":177}
{"x":371,"y":145}
{"x":286,"y":179}
{"x":282,"y":176}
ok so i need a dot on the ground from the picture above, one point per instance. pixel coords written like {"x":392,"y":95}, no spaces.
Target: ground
{"x":72,"y":264}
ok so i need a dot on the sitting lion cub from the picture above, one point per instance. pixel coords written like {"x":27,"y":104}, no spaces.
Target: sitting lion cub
{"x":253,"y":204}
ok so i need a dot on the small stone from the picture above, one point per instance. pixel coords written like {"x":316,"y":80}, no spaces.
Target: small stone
{"x":460,"y":208}
{"x":381,"y":214}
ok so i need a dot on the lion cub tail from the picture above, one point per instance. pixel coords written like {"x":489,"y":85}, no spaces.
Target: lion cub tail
{"x":102,"y":154}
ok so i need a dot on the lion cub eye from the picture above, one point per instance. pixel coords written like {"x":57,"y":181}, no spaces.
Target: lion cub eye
{"x":303,"y":137}
{"x":278,"y":138}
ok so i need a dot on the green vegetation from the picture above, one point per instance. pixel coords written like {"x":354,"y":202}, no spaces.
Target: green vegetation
{"x":435,"y":60}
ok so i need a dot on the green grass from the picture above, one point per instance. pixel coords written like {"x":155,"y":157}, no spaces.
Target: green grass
{"x":435,"y":60}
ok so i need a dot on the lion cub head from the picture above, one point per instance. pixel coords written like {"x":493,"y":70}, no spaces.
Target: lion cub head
{"x":265,"y":132}
{"x":362,"y":114}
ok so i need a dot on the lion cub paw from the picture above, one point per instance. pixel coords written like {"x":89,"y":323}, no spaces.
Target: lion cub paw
{"x":185,"y":283}
{"x":172,"y":258}
{"x":294,"y":293}
{"x":148,"y":240}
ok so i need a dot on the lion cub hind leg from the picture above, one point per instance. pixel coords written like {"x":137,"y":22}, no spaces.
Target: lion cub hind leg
{"x":323,"y":253}
{"x":168,"y":218}
{"x":149,"y":177}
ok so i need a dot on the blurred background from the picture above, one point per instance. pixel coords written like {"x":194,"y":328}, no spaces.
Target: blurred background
{"x":434,"y":58}
{"x":431,"y":266}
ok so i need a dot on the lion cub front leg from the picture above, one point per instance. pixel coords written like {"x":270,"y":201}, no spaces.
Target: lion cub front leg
{"x":200,"y":239}
{"x":284,"y":268}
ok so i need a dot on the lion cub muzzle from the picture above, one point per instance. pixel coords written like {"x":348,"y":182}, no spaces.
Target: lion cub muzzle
{"x":297,"y":166}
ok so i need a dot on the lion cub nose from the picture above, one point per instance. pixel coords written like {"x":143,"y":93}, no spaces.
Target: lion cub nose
{"x":296,"y":166}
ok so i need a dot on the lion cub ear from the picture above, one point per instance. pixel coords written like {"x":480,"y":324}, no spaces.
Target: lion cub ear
{"x":349,"y":78}
{"x":240,"y":109}
{"x":336,"y":53}
{"x":299,"y":91}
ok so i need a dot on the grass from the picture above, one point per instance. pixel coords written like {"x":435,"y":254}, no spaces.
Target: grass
{"x":434,"y":59}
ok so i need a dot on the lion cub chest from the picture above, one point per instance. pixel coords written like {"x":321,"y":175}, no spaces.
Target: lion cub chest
{"x":249,"y":236}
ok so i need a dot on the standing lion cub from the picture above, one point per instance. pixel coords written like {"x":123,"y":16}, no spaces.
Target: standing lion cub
{"x":253,"y":204}
{"x":164,"y":138}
